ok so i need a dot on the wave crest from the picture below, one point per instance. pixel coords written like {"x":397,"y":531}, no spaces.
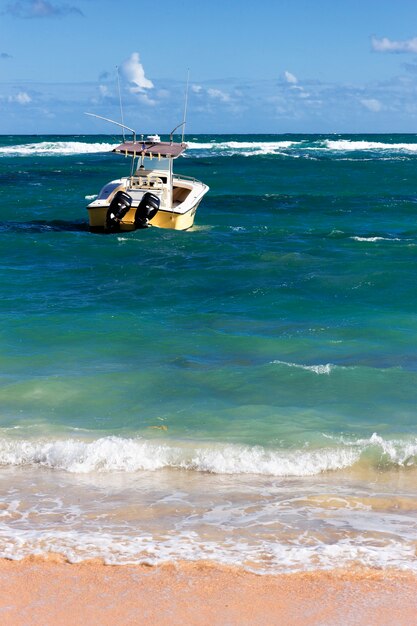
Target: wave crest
{"x":375,"y":239}
{"x":326,"y":368}
{"x":55,"y":148}
{"x":350,"y":145}
{"x":109,"y":454}
{"x":275,"y":146}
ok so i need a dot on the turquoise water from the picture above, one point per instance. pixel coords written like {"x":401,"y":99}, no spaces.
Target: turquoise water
{"x":244,"y":391}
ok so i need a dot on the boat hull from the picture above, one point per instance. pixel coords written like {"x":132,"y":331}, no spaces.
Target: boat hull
{"x":163,"y":219}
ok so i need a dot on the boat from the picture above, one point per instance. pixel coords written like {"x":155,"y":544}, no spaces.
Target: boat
{"x":152,"y":195}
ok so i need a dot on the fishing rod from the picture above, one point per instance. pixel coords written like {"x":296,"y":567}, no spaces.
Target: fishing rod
{"x":120,"y":99}
{"x":185,"y":104}
{"x":106,"y":119}
{"x":184,"y":119}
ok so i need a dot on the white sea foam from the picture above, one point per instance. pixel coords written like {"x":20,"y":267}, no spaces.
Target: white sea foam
{"x":348,"y":144}
{"x":91,"y":197}
{"x":225,"y":148}
{"x":254,"y":148}
{"x":263,"y":524}
{"x":374,"y":239}
{"x":55,"y":148}
{"x":217,"y":148}
{"x":242,"y":145}
{"x":269,"y":557}
{"x":110,"y":454}
{"x":316,"y":369}
{"x":131,"y":455}
{"x":402,"y":453}
{"x":243,"y":148}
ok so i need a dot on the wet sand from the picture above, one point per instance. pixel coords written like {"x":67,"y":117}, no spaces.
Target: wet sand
{"x":50,"y":591}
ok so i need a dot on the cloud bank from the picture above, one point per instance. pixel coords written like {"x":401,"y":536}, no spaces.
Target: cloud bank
{"x":397,"y":47}
{"x":372,"y":104}
{"x":27,"y":9}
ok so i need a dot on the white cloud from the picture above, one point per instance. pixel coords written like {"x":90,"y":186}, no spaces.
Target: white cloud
{"x":388,"y":45}
{"x":21,"y":98}
{"x":372,"y":104}
{"x":104,"y":90}
{"x":196,"y":88}
{"x":145,"y":99}
{"x":39,"y":9}
{"x":217,"y":94}
{"x":292,"y":81}
{"x":290,"y":78}
{"x":132,"y":70}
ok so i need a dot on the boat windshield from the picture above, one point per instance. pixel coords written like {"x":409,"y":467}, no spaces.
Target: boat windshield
{"x":107,"y":190}
{"x":155,"y":163}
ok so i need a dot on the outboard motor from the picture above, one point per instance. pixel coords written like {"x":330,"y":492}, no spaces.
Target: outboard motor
{"x":147,"y":209}
{"x":118,"y":208}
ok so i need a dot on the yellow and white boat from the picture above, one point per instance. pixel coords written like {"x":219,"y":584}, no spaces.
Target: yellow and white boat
{"x":152,"y":195}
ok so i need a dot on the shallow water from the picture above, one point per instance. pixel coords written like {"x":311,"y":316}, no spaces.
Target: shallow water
{"x":244,"y":391}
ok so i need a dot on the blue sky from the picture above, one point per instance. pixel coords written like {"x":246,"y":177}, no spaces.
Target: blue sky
{"x":267,"y":66}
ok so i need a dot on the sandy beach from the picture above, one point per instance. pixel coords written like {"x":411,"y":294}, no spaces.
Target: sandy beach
{"x":50,"y":591}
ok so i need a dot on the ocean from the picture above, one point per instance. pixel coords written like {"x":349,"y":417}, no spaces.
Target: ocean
{"x":244,"y":392}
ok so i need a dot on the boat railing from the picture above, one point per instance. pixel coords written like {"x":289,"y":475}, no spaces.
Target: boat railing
{"x":184,"y":177}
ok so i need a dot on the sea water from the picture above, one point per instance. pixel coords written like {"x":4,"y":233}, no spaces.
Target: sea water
{"x":244,"y":392}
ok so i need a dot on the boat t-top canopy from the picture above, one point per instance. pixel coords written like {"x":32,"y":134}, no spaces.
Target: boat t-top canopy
{"x":159,"y":149}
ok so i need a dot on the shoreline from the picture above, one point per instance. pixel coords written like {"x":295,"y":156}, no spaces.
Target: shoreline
{"x":50,"y":590}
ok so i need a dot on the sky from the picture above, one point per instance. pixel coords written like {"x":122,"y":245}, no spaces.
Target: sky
{"x":255,"y":66}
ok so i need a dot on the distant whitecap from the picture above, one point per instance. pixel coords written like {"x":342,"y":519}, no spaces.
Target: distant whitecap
{"x":55,"y":148}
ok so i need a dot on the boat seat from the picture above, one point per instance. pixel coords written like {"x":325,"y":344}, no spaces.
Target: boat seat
{"x":179,"y":194}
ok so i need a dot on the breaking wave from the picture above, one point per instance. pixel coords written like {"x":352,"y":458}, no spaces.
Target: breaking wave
{"x":316,"y":369}
{"x":349,"y":145}
{"x":304,"y":147}
{"x":375,"y":239}
{"x":110,"y":454}
{"x":244,"y":148}
{"x":296,"y":148}
{"x":55,"y":148}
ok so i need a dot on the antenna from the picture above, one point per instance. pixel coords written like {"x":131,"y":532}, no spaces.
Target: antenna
{"x":120,"y":100}
{"x":171,"y":134}
{"x":185,"y":105}
{"x":185,"y":113}
{"x":106,"y":119}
